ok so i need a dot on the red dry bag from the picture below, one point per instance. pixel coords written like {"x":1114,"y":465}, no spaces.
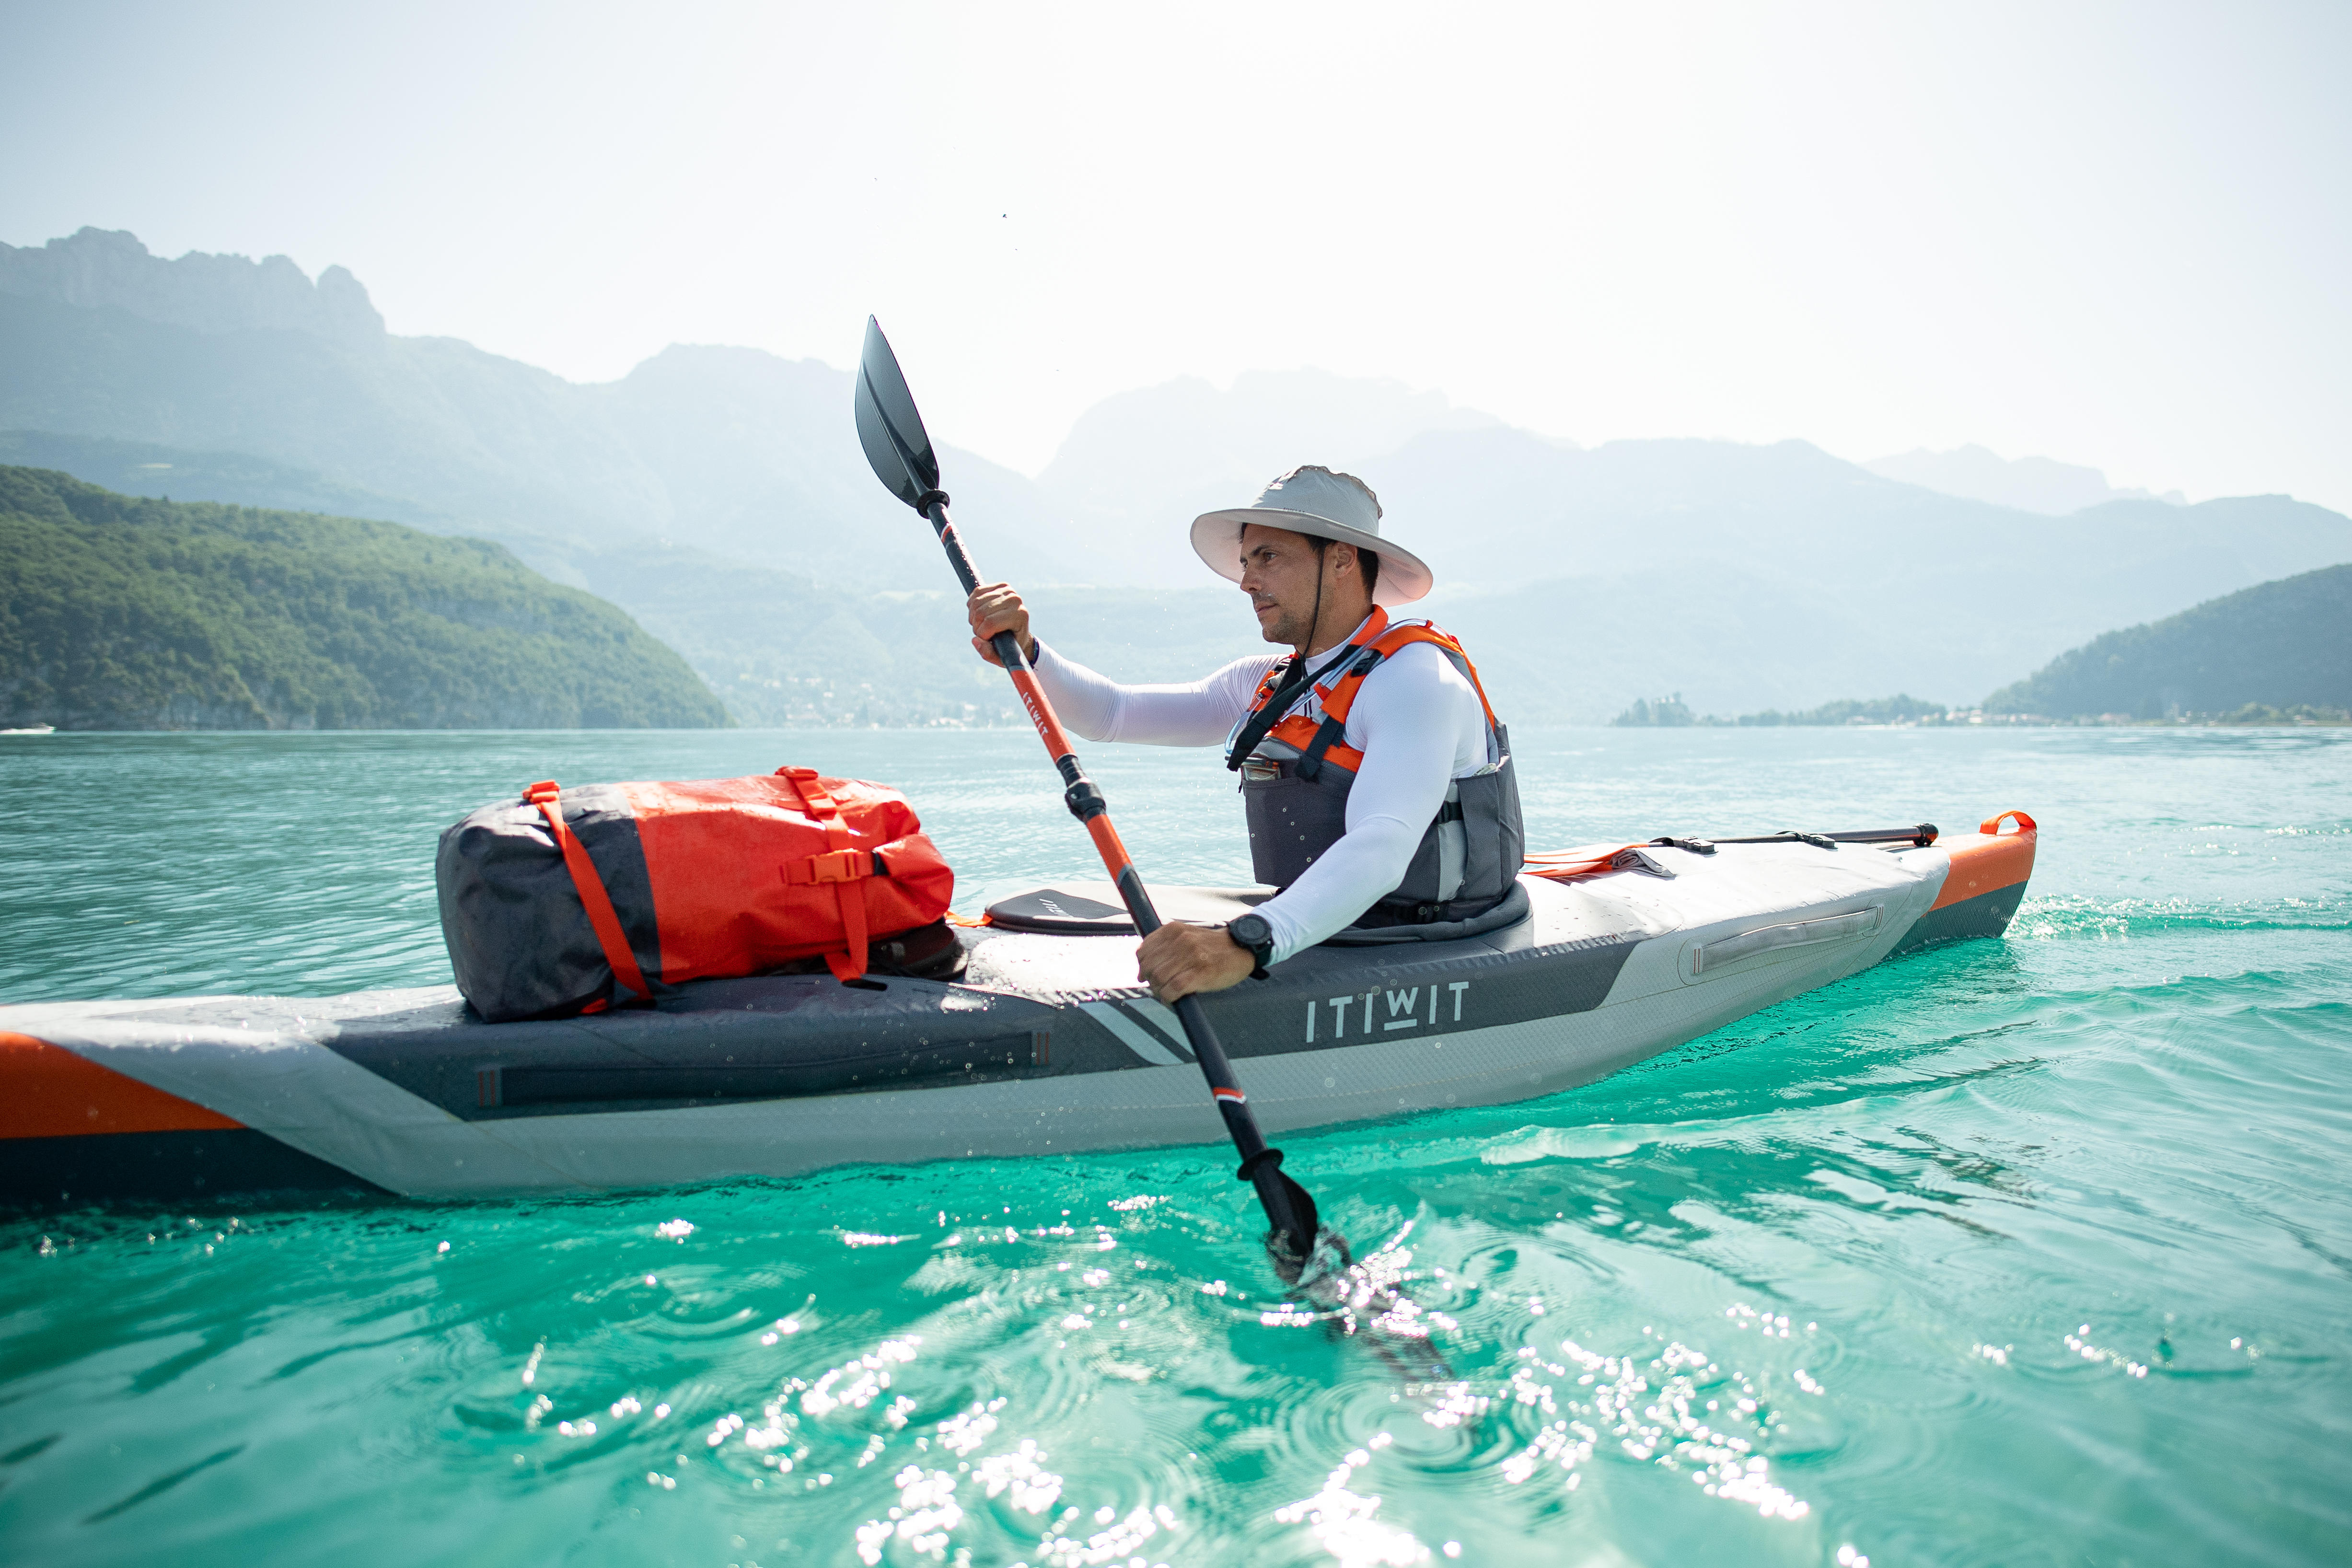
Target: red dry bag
{"x":574,"y":901}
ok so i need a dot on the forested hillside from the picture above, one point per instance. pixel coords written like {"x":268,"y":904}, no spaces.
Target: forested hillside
{"x":2283,"y":646}
{"x":126,"y":612}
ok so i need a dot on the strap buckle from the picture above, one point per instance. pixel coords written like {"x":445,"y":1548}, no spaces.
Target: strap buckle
{"x":836,"y":866}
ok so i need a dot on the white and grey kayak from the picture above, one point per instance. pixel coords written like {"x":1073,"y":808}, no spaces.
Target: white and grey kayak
{"x":1041,"y":1041}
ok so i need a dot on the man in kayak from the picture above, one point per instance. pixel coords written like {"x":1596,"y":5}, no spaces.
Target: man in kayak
{"x":1376,"y":781}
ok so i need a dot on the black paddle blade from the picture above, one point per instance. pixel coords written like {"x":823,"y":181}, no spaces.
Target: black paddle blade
{"x":888,"y":426}
{"x":1311,"y":1223}
{"x":1296,"y":1228}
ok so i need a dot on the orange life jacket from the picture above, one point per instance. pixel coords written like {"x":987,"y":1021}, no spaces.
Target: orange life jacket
{"x":1295,"y":794}
{"x":1318,"y":743}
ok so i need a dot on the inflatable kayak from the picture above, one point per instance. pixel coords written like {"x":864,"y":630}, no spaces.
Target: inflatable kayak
{"x":1020,"y":1033}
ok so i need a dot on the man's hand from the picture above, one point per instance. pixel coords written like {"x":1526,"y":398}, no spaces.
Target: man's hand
{"x":994,"y":607}
{"x":1180,"y":960}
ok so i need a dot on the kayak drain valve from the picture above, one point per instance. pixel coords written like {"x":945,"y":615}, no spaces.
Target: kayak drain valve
{"x":1085,"y":801}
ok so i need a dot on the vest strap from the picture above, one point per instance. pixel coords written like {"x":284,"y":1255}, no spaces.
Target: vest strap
{"x":1326,"y":735}
{"x":1273,"y":694}
{"x":1319,"y":741}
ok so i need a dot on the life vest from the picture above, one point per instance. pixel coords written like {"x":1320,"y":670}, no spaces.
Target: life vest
{"x":574,"y":901}
{"x":1297,"y":768}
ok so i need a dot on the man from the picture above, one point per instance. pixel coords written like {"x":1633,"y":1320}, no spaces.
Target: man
{"x":1376,"y":781}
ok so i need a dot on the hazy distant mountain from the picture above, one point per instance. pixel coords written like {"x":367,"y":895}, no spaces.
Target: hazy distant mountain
{"x":727,"y":449}
{"x":2029,"y":484}
{"x":2282,"y":645}
{"x":782,"y":649}
{"x":110,"y":269}
{"x":1143,"y":464}
{"x":720,"y":496}
{"x":1757,"y":577}
{"x":1750,"y":577}
{"x":146,"y":468}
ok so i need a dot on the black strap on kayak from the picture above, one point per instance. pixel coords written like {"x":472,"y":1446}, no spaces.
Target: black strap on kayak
{"x":1918,"y":836}
{"x":1787,"y":836}
{"x":1696,"y":845}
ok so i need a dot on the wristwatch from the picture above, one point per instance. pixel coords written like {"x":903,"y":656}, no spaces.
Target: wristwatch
{"x":1254,"y":935}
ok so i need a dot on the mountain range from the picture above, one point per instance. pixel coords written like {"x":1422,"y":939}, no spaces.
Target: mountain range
{"x":718,"y":495}
{"x":2029,"y":484}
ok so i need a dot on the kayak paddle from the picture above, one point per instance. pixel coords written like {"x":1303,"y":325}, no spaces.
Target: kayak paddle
{"x":892,"y":433}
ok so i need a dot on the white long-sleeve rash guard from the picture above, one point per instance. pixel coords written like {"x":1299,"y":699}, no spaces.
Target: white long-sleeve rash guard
{"x":1418,"y":723}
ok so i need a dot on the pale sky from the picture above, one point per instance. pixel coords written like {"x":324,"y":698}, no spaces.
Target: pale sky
{"x":2112,"y":234}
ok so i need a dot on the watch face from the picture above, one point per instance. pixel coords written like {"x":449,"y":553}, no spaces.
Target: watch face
{"x":1252,"y":930}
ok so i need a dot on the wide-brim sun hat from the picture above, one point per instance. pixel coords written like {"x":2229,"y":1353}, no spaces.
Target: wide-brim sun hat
{"x":1315,"y":500}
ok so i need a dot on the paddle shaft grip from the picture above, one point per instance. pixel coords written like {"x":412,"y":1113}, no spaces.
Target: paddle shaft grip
{"x":1279,"y":1195}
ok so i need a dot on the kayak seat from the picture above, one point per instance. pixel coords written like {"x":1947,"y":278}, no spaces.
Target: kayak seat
{"x":1092,"y":908}
{"x":1514,"y":908}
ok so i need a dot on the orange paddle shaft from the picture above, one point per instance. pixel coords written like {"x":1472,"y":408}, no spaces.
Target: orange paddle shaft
{"x":1287,"y":1206}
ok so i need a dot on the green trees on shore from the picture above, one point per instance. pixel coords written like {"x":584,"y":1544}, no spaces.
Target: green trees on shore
{"x":1674,"y":713}
{"x":120,"y":612}
{"x":2282,"y":647}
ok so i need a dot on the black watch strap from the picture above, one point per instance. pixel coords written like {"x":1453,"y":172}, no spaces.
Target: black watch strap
{"x":1254,"y":935}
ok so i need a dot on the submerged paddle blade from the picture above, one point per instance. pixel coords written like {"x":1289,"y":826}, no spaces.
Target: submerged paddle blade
{"x":1296,"y":1230}
{"x":889,"y":427}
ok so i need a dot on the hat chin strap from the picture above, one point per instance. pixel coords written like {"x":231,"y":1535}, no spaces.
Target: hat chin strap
{"x":1315,"y":622}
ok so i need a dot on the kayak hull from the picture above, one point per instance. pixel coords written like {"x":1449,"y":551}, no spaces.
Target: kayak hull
{"x":1045,"y":1044}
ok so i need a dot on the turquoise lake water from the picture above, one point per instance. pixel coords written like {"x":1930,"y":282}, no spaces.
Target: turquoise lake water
{"x":2028,"y":1251}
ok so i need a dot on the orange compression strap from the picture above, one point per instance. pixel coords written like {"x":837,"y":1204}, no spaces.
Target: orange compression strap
{"x":844,"y":866}
{"x":602,"y":919}
{"x":1568,"y":864}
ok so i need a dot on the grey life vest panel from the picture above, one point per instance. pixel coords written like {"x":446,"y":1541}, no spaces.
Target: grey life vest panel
{"x":1468,"y":862}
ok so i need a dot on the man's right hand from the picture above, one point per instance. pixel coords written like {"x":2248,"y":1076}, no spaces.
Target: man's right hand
{"x":994,"y":607}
